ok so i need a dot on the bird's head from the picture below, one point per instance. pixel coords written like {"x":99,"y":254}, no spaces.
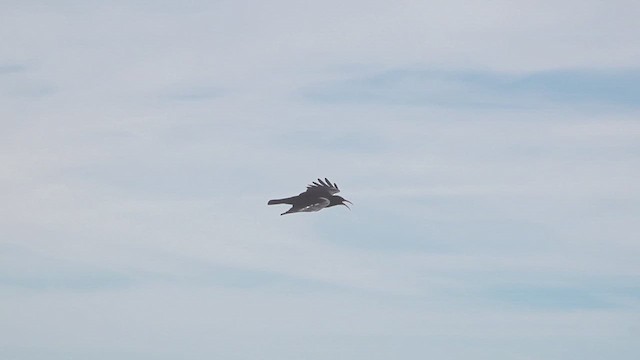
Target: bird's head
{"x":339,"y":200}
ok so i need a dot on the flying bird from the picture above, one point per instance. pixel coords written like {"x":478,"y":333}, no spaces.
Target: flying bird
{"x":319,"y":195}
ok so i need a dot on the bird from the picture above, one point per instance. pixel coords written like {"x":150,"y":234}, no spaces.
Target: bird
{"x":319,"y":195}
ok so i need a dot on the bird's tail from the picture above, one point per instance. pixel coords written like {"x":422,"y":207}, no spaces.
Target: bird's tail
{"x":279,"y":201}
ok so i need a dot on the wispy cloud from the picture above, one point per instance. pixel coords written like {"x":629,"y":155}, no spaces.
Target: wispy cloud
{"x":552,"y":298}
{"x":71,"y":280}
{"x":12,"y":68}
{"x":193,"y":93}
{"x":337,"y":140}
{"x":20,"y":81}
{"x":22,"y":269}
{"x":487,"y":89}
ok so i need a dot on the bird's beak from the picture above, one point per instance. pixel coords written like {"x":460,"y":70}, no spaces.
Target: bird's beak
{"x":345,"y":200}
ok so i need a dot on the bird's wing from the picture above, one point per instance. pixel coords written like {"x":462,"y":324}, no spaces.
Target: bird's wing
{"x":323,"y":186}
{"x":317,"y":205}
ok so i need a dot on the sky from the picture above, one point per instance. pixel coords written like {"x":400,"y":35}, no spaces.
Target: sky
{"x":491,"y":150}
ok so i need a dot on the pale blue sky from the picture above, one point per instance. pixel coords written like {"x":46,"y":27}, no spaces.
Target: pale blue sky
{"x":491,"y":149}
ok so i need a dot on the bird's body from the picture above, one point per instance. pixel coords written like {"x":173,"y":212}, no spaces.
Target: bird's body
{"x":318,"y":196}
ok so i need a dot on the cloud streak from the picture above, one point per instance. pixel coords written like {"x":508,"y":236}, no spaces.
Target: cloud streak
{"x":487,"y":89}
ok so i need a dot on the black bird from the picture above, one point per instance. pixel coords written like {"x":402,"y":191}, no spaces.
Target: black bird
{"x":318,"y":196}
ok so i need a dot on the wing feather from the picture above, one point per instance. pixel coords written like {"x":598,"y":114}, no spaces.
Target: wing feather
{"x":324,"y":186}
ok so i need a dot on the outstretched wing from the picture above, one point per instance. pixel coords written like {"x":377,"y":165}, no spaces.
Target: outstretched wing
{"x":323,"y":187}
